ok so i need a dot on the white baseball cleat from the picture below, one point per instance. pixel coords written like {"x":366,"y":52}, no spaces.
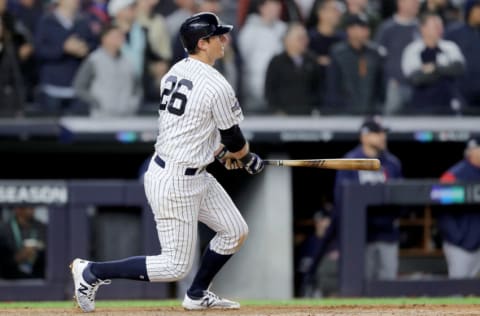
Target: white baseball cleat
{"x":85,"y":291}
{"x":208,"y":301}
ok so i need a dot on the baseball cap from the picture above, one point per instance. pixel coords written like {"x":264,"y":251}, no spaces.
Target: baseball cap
{"x":321,"y":214}
{"x":356,"y":19}
{"x":373,"y":125}
{"x":114,"y":6}
{"x":473,"y":142}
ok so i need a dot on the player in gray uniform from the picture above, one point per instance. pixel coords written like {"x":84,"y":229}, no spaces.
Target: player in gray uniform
{"x":199,"y":118}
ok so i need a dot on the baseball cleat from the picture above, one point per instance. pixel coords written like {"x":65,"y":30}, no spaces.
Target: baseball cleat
{"x":208,"y":301}
{"x":86,"y":284}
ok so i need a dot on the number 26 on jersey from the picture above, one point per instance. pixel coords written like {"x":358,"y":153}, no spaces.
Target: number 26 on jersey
{"x":172,"y":99}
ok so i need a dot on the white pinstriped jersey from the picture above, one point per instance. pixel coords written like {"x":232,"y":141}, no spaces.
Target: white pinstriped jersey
{"x":196,"y":101}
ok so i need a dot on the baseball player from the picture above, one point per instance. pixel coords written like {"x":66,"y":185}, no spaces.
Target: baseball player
{"x":381,"y":253}
{"x":199,"y":118}
{"x":459,"y":226}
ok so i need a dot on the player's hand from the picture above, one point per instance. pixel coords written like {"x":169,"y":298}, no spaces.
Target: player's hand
{"x":226,"y":160}
{"x":232,"y":164}
{"x":252,"y":163}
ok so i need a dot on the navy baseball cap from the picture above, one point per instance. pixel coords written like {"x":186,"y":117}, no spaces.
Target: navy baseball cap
{"x":356,"y":19}
{"x":321,"y":214}
{"x":373,"y":125}
{"x":473,"y":142}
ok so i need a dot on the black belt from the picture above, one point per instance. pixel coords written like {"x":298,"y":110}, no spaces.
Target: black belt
{"x":188,"y":171}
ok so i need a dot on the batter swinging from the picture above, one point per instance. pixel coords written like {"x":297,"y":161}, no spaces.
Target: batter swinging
{"x":198,"y":121}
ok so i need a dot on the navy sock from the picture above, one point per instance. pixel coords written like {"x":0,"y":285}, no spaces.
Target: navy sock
{"x":133,"y":268}
{"x":211,"y":263}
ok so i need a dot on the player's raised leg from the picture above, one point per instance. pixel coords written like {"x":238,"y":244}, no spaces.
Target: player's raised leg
{"x":176,"y":221}
{"x":220,"y":214}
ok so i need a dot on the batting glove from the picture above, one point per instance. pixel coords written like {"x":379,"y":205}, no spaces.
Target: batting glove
{"x":252,"y":163}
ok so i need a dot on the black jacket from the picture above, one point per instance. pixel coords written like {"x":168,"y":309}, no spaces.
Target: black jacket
{"x":293,"y":89}
{"x":11,"y":82}
{"x":354,"y":80}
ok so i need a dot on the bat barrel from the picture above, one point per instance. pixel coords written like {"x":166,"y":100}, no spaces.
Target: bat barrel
{"x":336,"y":164}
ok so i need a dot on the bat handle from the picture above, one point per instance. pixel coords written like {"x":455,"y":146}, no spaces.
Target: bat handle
{"x":273,"y":162}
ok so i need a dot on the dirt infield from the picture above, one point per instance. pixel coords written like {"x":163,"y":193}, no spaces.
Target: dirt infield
{"x":366,"y":310}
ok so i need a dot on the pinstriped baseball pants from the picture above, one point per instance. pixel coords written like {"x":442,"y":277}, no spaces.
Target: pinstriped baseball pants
{"x":178,"y":202}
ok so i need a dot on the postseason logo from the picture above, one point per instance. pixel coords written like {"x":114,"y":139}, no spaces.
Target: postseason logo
{"x":34,"y":193}
{"x":452,"y":194}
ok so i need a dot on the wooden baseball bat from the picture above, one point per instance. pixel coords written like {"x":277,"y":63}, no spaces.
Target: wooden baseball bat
{"x":336,"y":163}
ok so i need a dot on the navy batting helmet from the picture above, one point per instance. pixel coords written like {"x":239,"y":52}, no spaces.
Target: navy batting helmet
{"x":200,"y":26}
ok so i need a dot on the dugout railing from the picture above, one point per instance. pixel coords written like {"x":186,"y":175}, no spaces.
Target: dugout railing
{"x":357,"y":198}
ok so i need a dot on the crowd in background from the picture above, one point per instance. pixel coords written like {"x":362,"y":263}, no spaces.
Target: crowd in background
{"x":105,"y":58}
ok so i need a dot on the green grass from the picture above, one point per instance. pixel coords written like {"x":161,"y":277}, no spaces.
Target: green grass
{"x":294,"y":302}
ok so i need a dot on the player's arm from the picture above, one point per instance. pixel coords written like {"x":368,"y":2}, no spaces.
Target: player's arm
{"x":234,"y":152}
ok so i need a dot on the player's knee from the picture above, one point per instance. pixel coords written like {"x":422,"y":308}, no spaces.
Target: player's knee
{"x":242,"y":235}
{"x":179,"y":272}
{"x":169,"y":268}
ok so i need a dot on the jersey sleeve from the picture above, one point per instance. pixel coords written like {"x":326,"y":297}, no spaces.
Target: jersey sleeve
{"x":225,"y":107}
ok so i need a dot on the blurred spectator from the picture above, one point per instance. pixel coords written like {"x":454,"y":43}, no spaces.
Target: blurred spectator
{"x":29,"y":13}
{"x":62,"y":41}
{"x":123,"y":13}
{"x":259,"y":40}
{"x":97,"y":14}
{"x":443,"y":8}
{"x":381,"y":253}
{"x":313,"y":18}
{"x":305,"y":7}
{"x":460,"y":228}
{"x":361,"y":8}
{"x":22,"y":245}
{"x":16,"y":31}
{"x":107,"y":80}
{"x":387,"y":8}
{"x":432,"y":66}
{"x":149,"y":67}
{"x":394,"y":35}
{"x":156,"y":26}
{"x":11,"y":81}
{"x":229,"y":12}
{"x":467,"y":36}
{"x":292,"y":79}
{"x":354,"y":76}
{"x":289,"y":11}
{"x":20,"y":36}
{"x":159,"y":48}
{"x":323,"y":35}
{"x":166,"y":7}
{"x":325,"y":279}
{"x":185,"y":9}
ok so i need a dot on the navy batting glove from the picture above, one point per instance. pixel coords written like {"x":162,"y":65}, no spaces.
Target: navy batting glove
{"x":252,"y":163}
